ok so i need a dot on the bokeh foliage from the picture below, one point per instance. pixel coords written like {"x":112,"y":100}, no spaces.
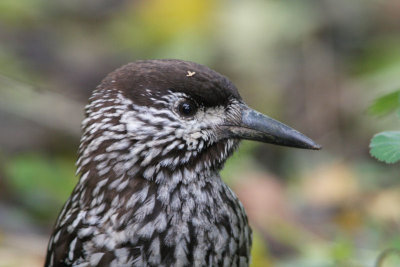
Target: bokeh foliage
{"x":385,"y":146}
{"x":329,"y":68}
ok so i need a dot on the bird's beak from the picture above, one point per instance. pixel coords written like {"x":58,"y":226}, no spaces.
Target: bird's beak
{"x":259,"y":127}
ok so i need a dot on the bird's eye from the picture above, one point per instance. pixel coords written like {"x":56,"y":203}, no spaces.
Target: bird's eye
{"x":187,"y":108}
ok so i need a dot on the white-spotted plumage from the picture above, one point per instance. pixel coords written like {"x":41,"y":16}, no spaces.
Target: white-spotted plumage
{"x":150,"y":193}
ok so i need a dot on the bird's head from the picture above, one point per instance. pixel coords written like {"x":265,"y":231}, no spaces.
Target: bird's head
{"x":164,"y":115}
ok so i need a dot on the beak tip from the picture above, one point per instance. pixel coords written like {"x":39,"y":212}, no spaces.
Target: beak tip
{"x":310,"y":144}
{"x":304,"y":141}
{"x":316,"y":147}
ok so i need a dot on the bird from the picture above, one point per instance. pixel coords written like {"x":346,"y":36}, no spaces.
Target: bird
{"x":156,"y":133}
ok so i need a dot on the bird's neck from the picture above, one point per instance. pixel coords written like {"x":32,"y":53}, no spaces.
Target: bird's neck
{"x":111,"y":176}
{"x":183,"y":195}
{"x":115,"y":193}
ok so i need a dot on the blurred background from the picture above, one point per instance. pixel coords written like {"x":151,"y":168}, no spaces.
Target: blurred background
{"x":316,"y":65}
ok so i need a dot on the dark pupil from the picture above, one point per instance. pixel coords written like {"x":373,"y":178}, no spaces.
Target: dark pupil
{"x":186,"y":108}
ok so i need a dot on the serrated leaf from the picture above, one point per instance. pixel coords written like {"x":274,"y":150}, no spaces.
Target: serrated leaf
{"x":385,"y":146}
{"x":385,"y":104}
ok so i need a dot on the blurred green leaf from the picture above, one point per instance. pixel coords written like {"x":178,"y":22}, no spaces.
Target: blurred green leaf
{"x":259,"y":252}
{"x":177,"y":20}
{"x":385,"y":104}
{"x":21,"y":12}
{"x":389,"y":255}
{"x":385,"y":146}
{"x":380,"y":54}
{"x":342,"y":250}
{"x":40,"y":182}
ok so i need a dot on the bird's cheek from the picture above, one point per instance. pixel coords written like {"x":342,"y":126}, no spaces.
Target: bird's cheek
{"x":192,"y":140}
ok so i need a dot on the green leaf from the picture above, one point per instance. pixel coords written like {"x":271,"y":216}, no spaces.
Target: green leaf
{"x":384,"y":255}
{"x":385,"y":104}
{"x":385,"y":146}
{"x":41,"y":183}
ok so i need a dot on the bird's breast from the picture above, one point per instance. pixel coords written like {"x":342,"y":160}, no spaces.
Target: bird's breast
{"x":196,"y":224}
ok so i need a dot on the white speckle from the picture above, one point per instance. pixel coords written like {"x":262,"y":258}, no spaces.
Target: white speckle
{"x":145,"y":208}
{"x":179,"y":133}
{"x":163,"y":193}
{"x":170,"y":147}
{"x":122,"y":185}
{"x":160,"y":222}
{"x":99,"y":185}
{"x":103,"y":171}
{"x":99,"y":240}
{"x":118,"y":145}
{"x":190,"y":73}
{"x":146,"y":231}
{"x":84,"y":177}
{"x":84,"y":232}
{"x":57,"y":236}
{"x":100,"y":209}
{"x":155,"y":256}
{"x":196,"y":135}
{"x":181,"y":252}
{"x":85,"y":161}
{"x":71,"y":249}
{"x":119,"y":168}
{"x":149,"y":172}
{"x":139,"y":197}
{"x":122,"y":254}
{"x":95,"y":258}
{"x":175,"y":202}
{"x":160,"y":177}
{"x":52,"y":259}
{"x":176,"y":177}
{"x":150,"y":155}
{"x":166,"y":162}
{"x":78,"y":218}
{"x":100,"y":198}
{"x":115,"y":202}
{"x":100,"y":157}
{"x":115,"y":183}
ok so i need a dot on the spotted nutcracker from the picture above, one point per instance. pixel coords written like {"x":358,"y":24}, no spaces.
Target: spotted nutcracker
{"x":155,"y":136}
